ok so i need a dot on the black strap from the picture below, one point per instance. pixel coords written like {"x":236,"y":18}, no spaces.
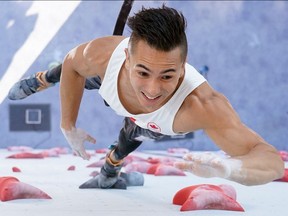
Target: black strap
{"x":122,"y":17}
{"x":121,"y":21}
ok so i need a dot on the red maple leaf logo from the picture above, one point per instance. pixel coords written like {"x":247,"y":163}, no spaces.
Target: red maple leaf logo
{"x":153,"y":126}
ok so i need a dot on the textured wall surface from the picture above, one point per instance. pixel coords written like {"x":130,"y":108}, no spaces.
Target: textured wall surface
{"x":244,"y":44}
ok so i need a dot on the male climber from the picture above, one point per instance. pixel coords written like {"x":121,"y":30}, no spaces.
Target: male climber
{"x":146,"y":79}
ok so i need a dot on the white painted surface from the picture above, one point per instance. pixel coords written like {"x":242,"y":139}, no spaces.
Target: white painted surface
{"x":154,"y":198}
{"x":51,"y":15}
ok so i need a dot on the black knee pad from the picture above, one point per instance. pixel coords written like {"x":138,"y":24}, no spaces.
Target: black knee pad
{"x":53,"y":75}
{"x":135,"y":132}
{"x":93,"y":83}
{"x":131,"y":137}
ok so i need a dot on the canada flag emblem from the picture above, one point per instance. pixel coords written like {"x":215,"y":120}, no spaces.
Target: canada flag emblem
{"x":153,"y":127}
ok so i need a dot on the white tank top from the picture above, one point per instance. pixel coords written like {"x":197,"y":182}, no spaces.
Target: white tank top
{"x":161,"y":120}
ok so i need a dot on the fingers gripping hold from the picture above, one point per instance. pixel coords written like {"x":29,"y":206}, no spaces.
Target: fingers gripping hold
{"x":76,"y":138}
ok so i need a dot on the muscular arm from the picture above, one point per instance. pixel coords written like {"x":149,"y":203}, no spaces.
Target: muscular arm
{"x":251,"y":160}
{"x":71,"y":88}
{"x":86,"y":60}
{"x":261,"y":162}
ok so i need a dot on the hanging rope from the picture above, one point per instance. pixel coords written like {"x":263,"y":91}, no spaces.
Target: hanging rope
{"x":122,"y":17}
